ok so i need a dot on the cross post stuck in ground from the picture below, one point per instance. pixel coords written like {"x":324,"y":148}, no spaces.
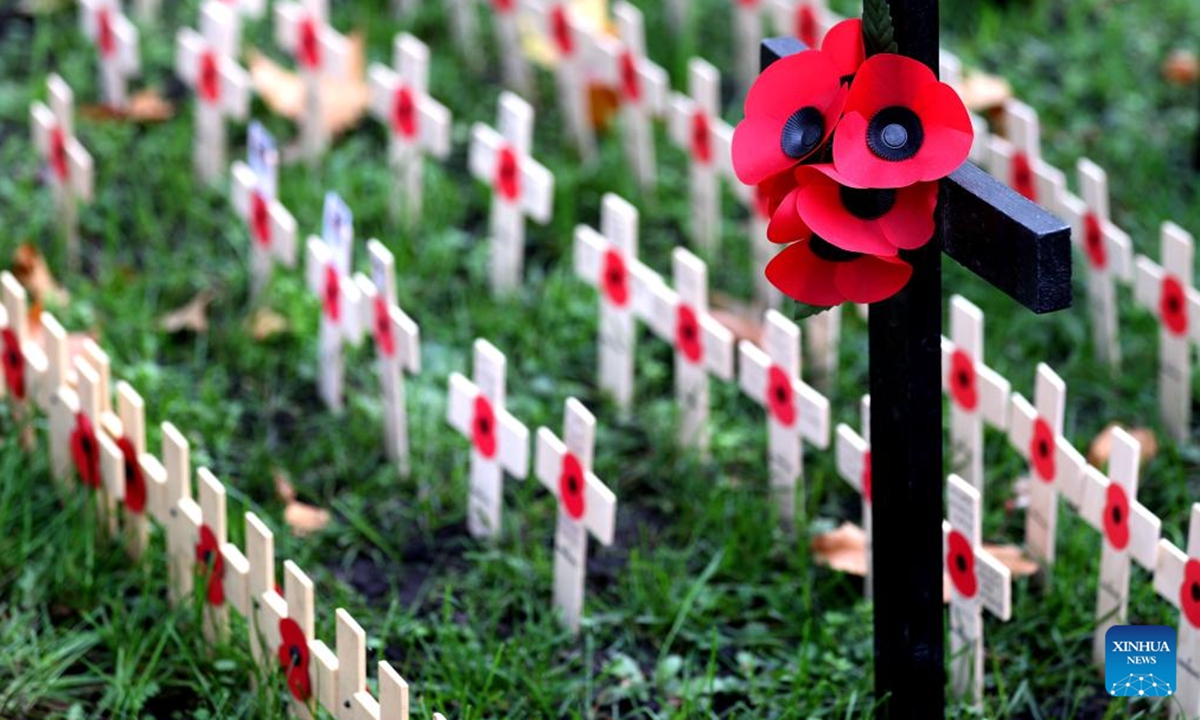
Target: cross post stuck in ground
{"x":1025,"y":252}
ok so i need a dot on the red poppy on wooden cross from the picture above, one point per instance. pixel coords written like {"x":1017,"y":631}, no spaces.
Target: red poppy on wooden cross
{"x":1108,"y":256}
{"x":69,"y":166}
{"x":703,"y":346}
{"x":585,"y":505}
{"x":354,"y":699}
{"x":271,"y":227}
{"x":1168,"y":293}
{"x":853,"y":453}
{"x":418,"y":124}
{"x":206,"y":61}
{"x":575,"y":41}
{"x":977,"y":581}
{"x":131,"y":473}
{"x":302,"y":28}
{"x":116,"y":39}
{"x":796,"y":413}
{"x":328,"y":272}
{"x":499,"y":442}
{"x":285,"y":624}
{"x":521,"y":187}
{"x":1017,"y":159}
{"x":25,"y":363}
{"x":1177,"y":580}
{"x":1128,"y":531}
{"x":1036,"y":431}
{"x":176,"y":510}
{"x":209,"y":559}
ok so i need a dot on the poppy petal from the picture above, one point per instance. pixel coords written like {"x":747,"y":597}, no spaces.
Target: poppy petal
{"x":871,"y":279}
{"x":804,"y":277}
{"x":775,"y":93}
{"x":756,"y":150}
{"x":819,"y":203}
{"x":786,"y":224}
{"x":844,"y":46}
{"x":910,"y":224}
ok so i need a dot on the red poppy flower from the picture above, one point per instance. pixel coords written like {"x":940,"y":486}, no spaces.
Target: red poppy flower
{"x":260,"y":219}
{"x":791,"y":111}
{"x":1041,"y":450}
{"x":14,"y":364}
{"x":1116,"y":517}
{"x":483,"y":427}
{"x":404,"y":113}
{"x":385,"y":339}
{"x":503,"y":6}
{"x":781,"y":401}
{"x":1093,"y":236}
{"x":1189,"y":592}
{"x":210,"y":79}
{"x":85,"y":451}
{"x":571,"y":486}
{"x":687,"y":334}
{"x":104,"y":33}
{"x":135,"y":483}
{"x":807,"y":25}
{"x":293,"y":658}
{"x":309,"y":53}
{"x":1172,"y":306}
{"x":844,"y":45}
{"x":58,"y":154}
{"x":210,"y":566}
{"x":560,"y":28}
{"x":963,"y":389}
{"x":701,"y":138}
{"x":960,"y":561}
{"x":866,"y":477}
{"x":868,"y":220}
{"x":332,"y":293}
{"x":508,"y":176}
{"x":816,"y":273}
{"x":631,"y":84}
{"x":615,"y":279}
{"x":900,"y":126}
{"x":1020,"y":176}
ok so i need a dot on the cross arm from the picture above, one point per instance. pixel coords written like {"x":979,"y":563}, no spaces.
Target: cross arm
{"x":992,"y":230}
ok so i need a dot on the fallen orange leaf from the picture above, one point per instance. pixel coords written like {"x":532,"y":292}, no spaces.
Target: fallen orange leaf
{"x":191,"y":317}
{"x":345,"y":98}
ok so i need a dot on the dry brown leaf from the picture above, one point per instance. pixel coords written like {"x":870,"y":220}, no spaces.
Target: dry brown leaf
{"x":1013,"y":558}
{"x":192,"y":317}
{"x":843,"y":549}
{"x":344,"y":98}
{"x":741,"y":318}
{"x":265,"y":323}
{"x":30,"y":269}
{"x":283,"y":487}
{"x":1101,"y":445}
{"x":983,"y":91}
{"x":305,"y":519}
{"x":1181,"y":67}
{"x":145,"y":106}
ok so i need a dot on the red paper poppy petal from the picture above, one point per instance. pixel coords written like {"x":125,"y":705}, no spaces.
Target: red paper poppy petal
{"x":786,"y":225}
{"x":871,"y":279}
{"x":777,"y":94}
{"x":819,"y":204}
{"x":844,"y":46}
{"x":1188,"y":592}
{"x":775,"y":188}
{"x":885,"y":80}
{"x":756,"y":149}
{"x":804,"y":277}
{"x":910,"y":224}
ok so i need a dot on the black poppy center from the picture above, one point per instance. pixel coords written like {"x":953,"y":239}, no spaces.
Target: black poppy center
{"x":960,"y":561}
{"x":1116,"y":515}
{"x":208,"y":558}
{"x":1195,"y":592}
{"x":963,"y":379}
{"x":297,"y":658}
{"x":129,"y":469}
{"x":829,"y":252}
{"x":1172,"y":303}
{"x":867,"y":203}
{"x":572,"y":483}
{"x":689,"y":332}
{"x":802,"y":132}
{"x":1043,"y":448}
{"x":10,"y":358}
{"x":614,"y":276}
{"x":780,"y":393}
{"x":484,"y":426}
{"x":85,"y":443}
{"x":895,"y":133}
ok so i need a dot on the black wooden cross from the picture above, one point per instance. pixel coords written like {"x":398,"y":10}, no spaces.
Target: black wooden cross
{"x":1017,"y":247}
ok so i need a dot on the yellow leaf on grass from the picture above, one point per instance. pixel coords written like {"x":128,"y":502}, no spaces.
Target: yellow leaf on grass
{"x":192,"y":317}
{"x":145,"y":106}
{"x":265,"y":323}
{"x":843,"y":549}
{"x":344,"y":98}
{"x":1101,"y":446}
{"x":30,"y":269}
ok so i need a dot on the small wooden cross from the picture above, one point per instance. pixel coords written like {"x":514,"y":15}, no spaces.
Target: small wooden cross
{"x":69,"y":169}
{"x":206,"y":61}
{"x":1168,"y":293}
{"x":805,"y":20}
{"x":1128,"y":529}
{"x":1018,"y":159}
{"x":977,"y":580}
{"x":762,"y":250}
{"x":977,"y":393}
{"x":237,"y":578}
{"x":464,"y":21}
{"x":575,"y":52}
{"x":748,"y":33}
{"x":209,"y":559}
{"x":770,"y":375}
{"x":397,"y":348}
{"x":272,"y":228}
{"x":1177,"y":580}
{"x":822,"y":341}
{"x":608,"y":261}
{"x":642,"y":86}
{"x":520,"y":187}
{"x":328,"y":270}
{"x":1108,"y":256}
{"x":854,"y":466}
{"x":1036,"y":432}
{"x":26,"y":367}
{"x":354,"y":699}
{"x":179,"y":513}
{"x":249,"y":8}
{"x":126,"y":479}
{"x":697,"y":128}
{"x":585,"y":505}
{"x":703,"y":346}
{"x":116,"y":38}
{"x":499,"y":442}
{"x":419,"y":124}
{"x":265,"y":605}
{"x":302,"y":28}
{"x":513,"y":64}
{"x":74,"y":452}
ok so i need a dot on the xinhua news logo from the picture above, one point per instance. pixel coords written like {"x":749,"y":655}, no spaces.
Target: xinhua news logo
{"x":1139,"y":660}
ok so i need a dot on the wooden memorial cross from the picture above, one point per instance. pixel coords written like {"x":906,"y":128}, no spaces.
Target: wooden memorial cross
{"x":354,"y":699}
{"x":206,"y":61}
{"x":249,"y":8}
{"x":977,"y":393}
{"x":762,"y":250}
{"x":1128,"y":530}
{"x":286,"y":624}
{"x":1036,"y":432}
{"x":499,"y":442}
{"x":513,"y":64}
{"x":419,"y":124}
{"x":69,"y":166}
{"x":770,"y":375}
{"x":585,"y":505}
{"x":575,"y":53}
{"x":1107,"y":252}
{"x":697,"y":128}
{"x":1177,"y":580}
{"x":209,"y":557}
{"x":977,"y":581}
{"x":748,"y":34}
{"x":397,"y":348}
{"x":608,"y":260}
{"x":1167,"y":291}
{"x":124,"y":468}
{"x":1025,"y":252}
{"x":265,"y":606}
{"x":854,"y":466}
{"x":329,"y":278}
{"x":642,"y":86}
{"x":179,"y":514}
{"x":520,"y":186}
{"x":805,"y":20}
{"x":302,"y":28}
{"x":116,"y":38}
{"x":26,"y":367}
{"x":272,"y":227}
{"x":1017,"y":158}
{"x":703,"y":346}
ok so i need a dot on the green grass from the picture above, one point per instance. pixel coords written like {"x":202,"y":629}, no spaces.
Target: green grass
{"x":702,"y":608}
